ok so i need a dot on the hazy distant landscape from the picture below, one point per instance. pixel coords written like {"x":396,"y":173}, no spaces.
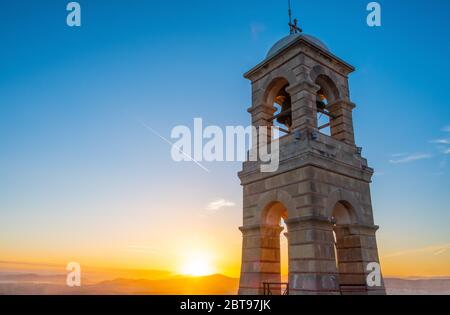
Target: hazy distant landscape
{"x":35,"y":284}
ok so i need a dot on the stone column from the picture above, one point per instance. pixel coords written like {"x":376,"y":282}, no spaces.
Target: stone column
{"x":342,"y":123}
{"x":260,"y":258}
{"x":261,"y":116}
{"x":304,"y":111}
{"x":312,"y":263}
{"x":356,"y":248}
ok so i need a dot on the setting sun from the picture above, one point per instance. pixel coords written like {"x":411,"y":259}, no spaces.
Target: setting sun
{"x":198,"y":265}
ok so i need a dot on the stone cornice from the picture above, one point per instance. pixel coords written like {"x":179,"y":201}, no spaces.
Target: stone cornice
{"x":265,"y":62}
{"x":305,"y":159}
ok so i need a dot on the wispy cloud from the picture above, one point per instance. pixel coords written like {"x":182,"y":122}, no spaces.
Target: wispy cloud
{"x":447,"y":151}
{"x":219,"y":204}
{"x":446,"y":129}
{"x":442,"y":250}
{"x":440,"y":141}
{"x":409,"y":158}
{"x":396,"y":155}
{"x":435,"y":250}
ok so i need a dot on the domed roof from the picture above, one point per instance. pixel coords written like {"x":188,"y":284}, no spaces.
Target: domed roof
{"x":286,"y":41}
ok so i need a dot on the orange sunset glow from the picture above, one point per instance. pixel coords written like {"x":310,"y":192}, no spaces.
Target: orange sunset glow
{"x":224,"y":147}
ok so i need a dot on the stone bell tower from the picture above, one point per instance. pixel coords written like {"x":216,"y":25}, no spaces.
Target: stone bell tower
{"x":322,"y":187}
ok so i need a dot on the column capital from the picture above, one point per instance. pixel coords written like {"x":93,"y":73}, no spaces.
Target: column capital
{"x":359,"y":229}
{"x":261,"y":114}
{"x":308,"y":86}
{"x":311,"y":220}
{"x":262,"y":108}
{"x":341,"y":104}
{"x":261,"y":229}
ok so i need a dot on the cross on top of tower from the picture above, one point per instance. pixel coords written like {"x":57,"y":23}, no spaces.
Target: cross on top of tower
{"x":293,"y":26}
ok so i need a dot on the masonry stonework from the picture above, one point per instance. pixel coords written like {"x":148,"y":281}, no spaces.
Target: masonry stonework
{"x":322,"y":187}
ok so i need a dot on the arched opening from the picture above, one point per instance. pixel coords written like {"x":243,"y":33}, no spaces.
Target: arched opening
{"x":343,"y":213}
{"x":280,"y":99}
{"x":342,"y":218}
{"x":326,"y":95}
{"x":276,"y":215}
{"x":284,"y":252}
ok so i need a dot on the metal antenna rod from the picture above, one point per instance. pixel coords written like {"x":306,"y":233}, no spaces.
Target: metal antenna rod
{"x":290,"y":12}
{"x":293,"y":27}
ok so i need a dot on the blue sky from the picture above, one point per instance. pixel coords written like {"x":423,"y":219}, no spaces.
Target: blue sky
{"x":73,"y":152}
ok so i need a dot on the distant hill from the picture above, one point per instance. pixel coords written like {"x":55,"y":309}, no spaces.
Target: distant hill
{"x":32,"y":277}
{"x":35,"y":284}
{"x":211,"y":285}
{"x":418,"y":287}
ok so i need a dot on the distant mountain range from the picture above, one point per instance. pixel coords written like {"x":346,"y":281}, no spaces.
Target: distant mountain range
{"x":35,"y":284}
{"x":435,"y":286}
{"x":42,"y":285}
